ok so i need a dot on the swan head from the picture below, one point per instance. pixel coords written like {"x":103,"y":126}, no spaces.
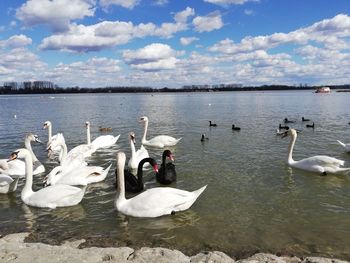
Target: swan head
{"x":144,"y":119}
{"x":132,"y":137}
{"x":33,"y":138}
{"x":291,"y":132}
{"x":19,"y":154}
{"x":87,"y":124}
{"x":168,"y":154}
{"x":47,"y":124}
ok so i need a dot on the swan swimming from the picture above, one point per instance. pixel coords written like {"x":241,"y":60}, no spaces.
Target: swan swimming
{"x":136,"y":156}
{"x":103,"y":141}
{"x":319,"y":164}
{"x":48,"y":125}
{"x":167,"y":172}
{"x":159,"y":141}
{"x":154,"y":202}
{"x":49,"y":197}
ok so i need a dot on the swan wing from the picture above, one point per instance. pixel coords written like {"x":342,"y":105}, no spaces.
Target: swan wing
{"x":85,"y":149}
{"x":159,"y":201}
{"x":56,"y":196}
{"x":105,"y":141}
{"x":15,"y":167}
{"x":162,"y":141}
{"x":141,"y":153}
{"x":322,"y":160}
{"x":7,"y":184}
{"x":5,"y":180}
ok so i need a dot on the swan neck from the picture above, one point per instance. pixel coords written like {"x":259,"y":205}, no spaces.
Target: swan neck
{"x":28,"y":146}
{"x":88,"y":136}
{"x":63,"y":152}
{"x":132,"y":147}
{"x":145,"y":132}
{"x":291,"y":147}
{"x":140,"y":171}
{"x":27,"y":189}
{"x":49,"y":128}
{"x":121,"y":185}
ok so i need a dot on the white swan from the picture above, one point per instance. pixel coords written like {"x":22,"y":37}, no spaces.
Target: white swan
{"x":345,"y":145}
{"x":319,"y":164}
{"x":83,"y":175}
{"x":153,"y":202}
{"x":136,"y":156}
{"x":48,"y":125}
{"x":51,"y":197}
{"x":103,"y":141}
{"x":159,"y":141}
{"x":17,"y":167}
{"x":8,"y":184}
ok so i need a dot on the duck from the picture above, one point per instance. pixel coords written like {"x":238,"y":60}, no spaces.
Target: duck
{"x":8,"y":184}
{"x":104,"y":129}
{"x":159,"y":141}
{"x":285,"y":127}
{"x":154,"y":202}
{"x":235,"y":128}
{"x":345,"y":145}
{"x":212,"y":124}
{"x":53,"y":196}
{"x":288,"y":121}
{"x":310,"y":125}
{"x":203,"y":138}
{"x":134,"y":184}
{"x":48,"y":125}
{"x":103,"y":141}
{"x":136,"y":156}
{"x":17,"y":167}
{"x":320,"y":164}
{"x":167,"y":173}
{"x":304,"y":119}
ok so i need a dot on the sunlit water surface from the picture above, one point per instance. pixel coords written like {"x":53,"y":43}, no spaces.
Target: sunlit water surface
{"x":253,"y":201}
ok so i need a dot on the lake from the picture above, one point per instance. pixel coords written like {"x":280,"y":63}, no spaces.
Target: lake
{"x":253,"y":202}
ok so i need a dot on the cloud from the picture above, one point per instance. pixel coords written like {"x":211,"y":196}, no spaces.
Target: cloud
{"x":248,"y":12}
{"x":208,"y":23}
{"x":108,"y":34}
{"x":160,"y":2}
{"x":129,"y":4}
{"x":154,"y":57}
{"x":327,"y":32}
{"x":229,"y":2}
{"x":185,"y":41}
{"x":16,"y":41}
{"x":55,"y":13}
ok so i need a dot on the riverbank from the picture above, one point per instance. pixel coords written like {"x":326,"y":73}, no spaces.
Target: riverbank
{"x":13,"y":248}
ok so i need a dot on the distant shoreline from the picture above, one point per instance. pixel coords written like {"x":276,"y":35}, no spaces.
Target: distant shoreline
{"x":78,"y":90}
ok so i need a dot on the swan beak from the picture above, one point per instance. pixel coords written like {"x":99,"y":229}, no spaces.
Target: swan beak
{"x":13,"y":156}
{"x":44,"y":126}
{"x":171,"y":157}
{"x":155,"y":168}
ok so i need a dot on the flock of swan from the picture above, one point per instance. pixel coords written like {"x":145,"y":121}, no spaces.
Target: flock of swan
{"x":66,"y":183}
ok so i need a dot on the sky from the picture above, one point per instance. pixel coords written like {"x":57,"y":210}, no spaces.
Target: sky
{"x":173,"y":43}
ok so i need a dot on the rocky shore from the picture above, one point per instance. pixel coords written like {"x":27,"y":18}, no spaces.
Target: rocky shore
{"x":14,"y":249}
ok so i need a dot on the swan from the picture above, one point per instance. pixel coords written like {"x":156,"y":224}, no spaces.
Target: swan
{"x":49,"y":197}
{"x":304,"y":119}
{"x":17,"y":167}
{"x":310,"y":125}
{"x":235,"y":128}
{"x":203,"y":138}
{"x":212,"y":124}
{"x":166,"y":173}
{"x":159,"y":141}
{"x":8,"y":184}
{"x":48,"y":125}
{"x":288,"y":121}
{"x":319,"y":164}
{"x":136,"y":156}
{"x":83,"y":175}
{"x":283,"y":127}
{"x":345,"y":145}
{"x":135,"y":184}
{"x":154,"y":202}
{"x":103,"y":141}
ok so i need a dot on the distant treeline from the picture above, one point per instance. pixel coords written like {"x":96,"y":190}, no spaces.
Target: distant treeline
{"x":57,"y":90}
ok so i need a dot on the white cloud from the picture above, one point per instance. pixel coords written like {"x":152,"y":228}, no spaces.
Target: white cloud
{"x":16,"y":41}
{"x":129,"y":4}
{"x":229,"y":2}
{"x":160,"y":2}
{"x":108,"y":34}
{"x":153,"y":57}
{"x":208,"y":23}
{"x":248,"y":12}
{"x":185,"y":41}
{"x":55,"y":13}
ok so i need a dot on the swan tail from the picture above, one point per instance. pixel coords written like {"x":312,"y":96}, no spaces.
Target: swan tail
{"x":199,"y":191}
{"x":344,"y":171}
{"x":342,"y":144}
{"x":105,"y":172}
{"x":116,"y":138}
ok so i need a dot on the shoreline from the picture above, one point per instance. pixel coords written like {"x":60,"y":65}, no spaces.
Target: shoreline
{"x":13,"y":248}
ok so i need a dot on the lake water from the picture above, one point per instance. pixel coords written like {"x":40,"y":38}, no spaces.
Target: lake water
{"x":253,"y":201}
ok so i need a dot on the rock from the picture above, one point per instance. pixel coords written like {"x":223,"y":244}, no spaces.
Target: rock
{"x":212,"y":257}
{"x":322,"y":260}
{"x":159,"y":255}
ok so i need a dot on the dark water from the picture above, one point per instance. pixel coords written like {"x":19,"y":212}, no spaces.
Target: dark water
{"x":253,"y":201}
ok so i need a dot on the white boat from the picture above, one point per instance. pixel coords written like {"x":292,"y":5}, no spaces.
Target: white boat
{"x":323,"y":90}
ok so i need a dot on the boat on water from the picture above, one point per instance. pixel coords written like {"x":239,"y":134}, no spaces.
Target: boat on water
{"x":323,"y":90}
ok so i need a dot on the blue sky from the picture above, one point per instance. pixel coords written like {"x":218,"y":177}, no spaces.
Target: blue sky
{"x":171,"y":43}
